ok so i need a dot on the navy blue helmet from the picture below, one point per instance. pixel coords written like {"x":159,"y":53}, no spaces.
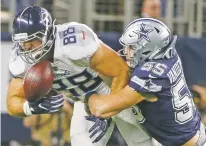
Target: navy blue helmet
{"x":31,"y":23}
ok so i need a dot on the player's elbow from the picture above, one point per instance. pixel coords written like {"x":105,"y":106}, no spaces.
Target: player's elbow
{"x":10,"y":111}
{"x":13,"y":113}
{"x":15,"y":109}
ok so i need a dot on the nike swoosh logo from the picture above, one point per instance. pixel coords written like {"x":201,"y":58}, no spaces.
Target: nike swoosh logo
{"x":151,"y":76}
{"x":42,"y":107}
{"x":83,"y":35}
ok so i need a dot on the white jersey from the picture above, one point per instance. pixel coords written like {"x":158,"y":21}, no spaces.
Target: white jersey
{"x":75,"y":43}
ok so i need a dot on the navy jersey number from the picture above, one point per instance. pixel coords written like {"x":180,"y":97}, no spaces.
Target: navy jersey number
{"x":68,"y":36}
{"x":78,"y":84}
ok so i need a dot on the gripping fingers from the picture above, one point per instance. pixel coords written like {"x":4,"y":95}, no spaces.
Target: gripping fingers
{"x":94,"y":126}
{"x":57,"y":102}
{"x":99,"y":137}
{"x":58,"y":105}
{"x":57,"y":98}
{"x":54,"y":111}
{"x":95,"y":132}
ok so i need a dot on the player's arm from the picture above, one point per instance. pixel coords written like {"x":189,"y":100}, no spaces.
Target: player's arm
{"x":109,"y":63}
{"x":15,"y":98}
{"x":17,"y":106}
{"x":105,"y":106}
{"x":99,"y":56}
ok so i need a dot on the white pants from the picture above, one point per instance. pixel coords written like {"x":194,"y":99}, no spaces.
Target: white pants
{"x":131,"y":130}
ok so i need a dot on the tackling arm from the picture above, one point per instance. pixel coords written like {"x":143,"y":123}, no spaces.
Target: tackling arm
{"x":106,"y":106}
{"x":16,"y":98}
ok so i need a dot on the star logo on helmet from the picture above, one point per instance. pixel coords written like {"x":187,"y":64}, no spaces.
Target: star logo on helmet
{"x":143,"y":33}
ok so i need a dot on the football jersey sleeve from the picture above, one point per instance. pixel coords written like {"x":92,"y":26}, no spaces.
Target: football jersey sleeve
{"x":147,"y":80}
{"x":146,"y":85}
{"x":17,"y":66}
{"x":78,"y":41}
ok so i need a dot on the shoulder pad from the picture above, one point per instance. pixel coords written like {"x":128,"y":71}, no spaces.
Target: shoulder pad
{"x":152,"y":69}
{"x":77,"y":40}
{"x":149,"y":77}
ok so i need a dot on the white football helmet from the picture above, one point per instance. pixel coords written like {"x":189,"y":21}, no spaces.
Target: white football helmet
{"x":149,"y":38}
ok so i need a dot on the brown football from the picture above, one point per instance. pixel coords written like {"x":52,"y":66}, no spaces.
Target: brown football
{"x":38,"y":81}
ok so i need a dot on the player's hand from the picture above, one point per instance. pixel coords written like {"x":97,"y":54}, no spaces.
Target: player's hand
{"x":99,"y":128}
{"x":46,"y":105}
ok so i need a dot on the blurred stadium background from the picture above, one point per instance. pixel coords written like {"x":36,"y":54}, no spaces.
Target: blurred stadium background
{"x":186,"y":18}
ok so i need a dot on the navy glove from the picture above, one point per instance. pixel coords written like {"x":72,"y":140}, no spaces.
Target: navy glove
{"x":46,"y":105}
{"x":100,"y":126}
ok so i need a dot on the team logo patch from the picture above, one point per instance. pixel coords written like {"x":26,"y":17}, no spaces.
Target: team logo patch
{"x":143,"y":33}
{"x":146,"y":84}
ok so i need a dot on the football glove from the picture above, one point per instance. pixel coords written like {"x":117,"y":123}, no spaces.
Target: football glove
{"x":46,"y":105}
{"x":99,"y":128}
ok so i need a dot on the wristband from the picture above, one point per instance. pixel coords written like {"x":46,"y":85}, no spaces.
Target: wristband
{"x":26,"y":109}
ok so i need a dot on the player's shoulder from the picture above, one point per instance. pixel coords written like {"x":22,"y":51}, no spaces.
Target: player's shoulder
{"x":150,"y":76}
{"x":156,"y":68}
{"x":76,"y":25}
{"x":76,"y":40}
{"x":17,"y":66}
{"x":151,"y":69}
{"x":156,"y":75}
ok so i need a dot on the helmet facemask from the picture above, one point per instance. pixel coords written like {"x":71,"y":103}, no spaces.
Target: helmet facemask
{"x":34,"y":55}
{"x":129,"y":52}
{"x":139,"y":53}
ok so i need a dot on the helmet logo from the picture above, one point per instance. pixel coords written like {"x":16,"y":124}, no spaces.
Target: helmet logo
{"x":20,"y":36}
{"x":143,"y":33}
{"x":46,"y":17}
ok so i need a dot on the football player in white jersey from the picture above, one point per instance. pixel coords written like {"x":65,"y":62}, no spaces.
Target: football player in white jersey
{"x":81,"y":63}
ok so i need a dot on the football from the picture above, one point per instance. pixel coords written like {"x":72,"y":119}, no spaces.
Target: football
{"x":38,"y":81}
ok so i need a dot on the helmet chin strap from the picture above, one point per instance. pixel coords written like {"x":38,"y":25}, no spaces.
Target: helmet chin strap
{"x":121,"y":53}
